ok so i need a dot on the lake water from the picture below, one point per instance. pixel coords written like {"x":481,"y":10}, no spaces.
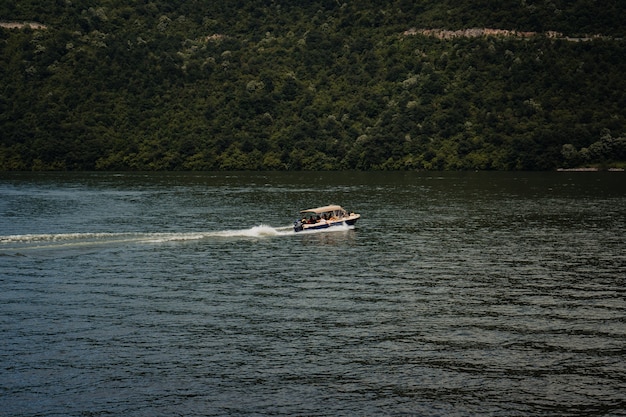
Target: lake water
{"x":187,"y":294}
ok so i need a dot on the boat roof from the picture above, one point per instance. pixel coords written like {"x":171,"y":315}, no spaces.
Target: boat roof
{"x":323,"y":209}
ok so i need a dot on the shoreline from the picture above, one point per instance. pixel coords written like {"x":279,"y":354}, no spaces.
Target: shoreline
{"x":589,"y":169}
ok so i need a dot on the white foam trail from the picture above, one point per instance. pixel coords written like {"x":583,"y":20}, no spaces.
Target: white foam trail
{"x":58,"y":239}
{"x":253,"y":232}
{"x":159,"y":237}
{"x":256,"y":231}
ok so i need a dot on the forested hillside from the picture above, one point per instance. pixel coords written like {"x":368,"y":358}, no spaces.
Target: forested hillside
{"x":315,"y":85}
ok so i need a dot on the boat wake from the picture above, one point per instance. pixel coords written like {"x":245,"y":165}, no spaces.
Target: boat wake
{"x":87,"y":239}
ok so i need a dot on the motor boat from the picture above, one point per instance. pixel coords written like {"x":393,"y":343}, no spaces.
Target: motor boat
{"x":324,"y":217}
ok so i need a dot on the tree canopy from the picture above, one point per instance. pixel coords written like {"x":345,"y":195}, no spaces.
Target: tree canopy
{"x":311,"y":85}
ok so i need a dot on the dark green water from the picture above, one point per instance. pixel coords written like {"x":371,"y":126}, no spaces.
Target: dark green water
{"x":188,"y":294}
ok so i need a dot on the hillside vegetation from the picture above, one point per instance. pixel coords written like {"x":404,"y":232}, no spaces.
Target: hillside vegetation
{"x":314,"y":85}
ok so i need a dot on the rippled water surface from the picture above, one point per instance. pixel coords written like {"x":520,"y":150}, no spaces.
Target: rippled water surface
{"x":189,"y":294}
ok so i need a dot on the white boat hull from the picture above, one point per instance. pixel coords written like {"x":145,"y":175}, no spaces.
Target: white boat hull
{"x":350,"y":220}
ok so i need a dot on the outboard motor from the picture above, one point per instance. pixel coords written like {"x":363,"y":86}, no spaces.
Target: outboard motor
{"x":297,"y":226}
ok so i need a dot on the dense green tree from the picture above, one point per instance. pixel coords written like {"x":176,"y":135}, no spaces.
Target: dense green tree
{"x":318,"y":84}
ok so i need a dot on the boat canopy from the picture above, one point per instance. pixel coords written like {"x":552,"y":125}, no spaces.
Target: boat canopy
{"x":325,"y":209}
